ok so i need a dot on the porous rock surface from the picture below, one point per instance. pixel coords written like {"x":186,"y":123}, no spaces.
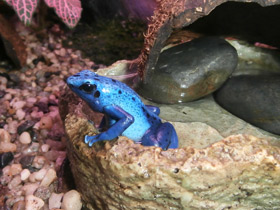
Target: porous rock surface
{"x":238,"y":172}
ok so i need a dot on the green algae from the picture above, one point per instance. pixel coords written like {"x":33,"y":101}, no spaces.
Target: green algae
{"x":107,"y":41}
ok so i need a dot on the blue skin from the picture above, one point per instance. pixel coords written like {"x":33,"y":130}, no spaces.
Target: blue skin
{"x":123,"y":111}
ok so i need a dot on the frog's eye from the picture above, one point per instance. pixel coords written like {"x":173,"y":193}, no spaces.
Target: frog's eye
{"x":87,"y":87}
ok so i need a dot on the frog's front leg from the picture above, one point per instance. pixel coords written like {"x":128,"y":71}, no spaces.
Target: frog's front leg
{"x":105,"y":123}
{"x":123,"y":121}
{"x":163,"y":136}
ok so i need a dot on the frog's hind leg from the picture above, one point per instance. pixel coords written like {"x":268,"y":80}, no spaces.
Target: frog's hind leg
{"x":164,"y":136}
{"x":153,"y":109}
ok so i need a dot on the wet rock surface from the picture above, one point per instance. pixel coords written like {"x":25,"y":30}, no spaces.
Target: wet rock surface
{"x":254,"y":99}
{"x":256,"y":60}
{"x":190,"y":71}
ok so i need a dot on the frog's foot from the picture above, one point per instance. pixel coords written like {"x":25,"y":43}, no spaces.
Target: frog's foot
{"x":90,"y":140}
{"x":153,"y":109}
{"x":165,"y":137}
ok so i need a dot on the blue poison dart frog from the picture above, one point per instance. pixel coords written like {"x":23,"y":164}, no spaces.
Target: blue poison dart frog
{"x":123,"y":110}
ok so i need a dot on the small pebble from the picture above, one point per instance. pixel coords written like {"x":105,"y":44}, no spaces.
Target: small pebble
{"x":12,"y":200}
{"x":18,"y":105}
{"x":34,"y":147}
{"x":5,"y":159}
{"x":28,"y":124}
{"x":20,"y":114}
{"x":46,"y":122}
{"x":12,"y":127}
{"x":33,"y":203}
{"x":25,"y":138}
{"x":52,"y":97}
{"x":30,"y":188}
{"x":2,"y":93}
{"x":26,"y":161}
{"x":53,"y":154}
{"x":39,"y":175}
{"x":49,"y":178}
{"x":15,"y":182}
{"x":42,"y":106}
{"x":39,"y":161}
{"x":8,"y":97}
{"x":6,"y":170}
{"x":56,"y":145}
{"x":59,"y":161}
{"x":4,"y":136}
{"x":3,"y":80}
{"x":30,"y":102}
{"x":43,"y":192}
{"x":55,"y":200}
{"x":48,"y":89}
{"x":72,"y":200}
{"x":7,"y":147}
{"x":20,"y":205}
{"x":12,"y":91}
{"x":2,"y":124}
{"x":25,"y":173}
{"x":45,"y":148}
{"x":15,"y":169}
{"x":35,"y":114}
{"x":14,"y":78}
{"x":32,"y":177}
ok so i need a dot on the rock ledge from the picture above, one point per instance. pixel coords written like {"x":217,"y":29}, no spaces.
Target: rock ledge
{"x":238,"y":172}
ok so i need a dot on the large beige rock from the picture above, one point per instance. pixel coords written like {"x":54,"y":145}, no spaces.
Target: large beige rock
{"x":238,"y":172}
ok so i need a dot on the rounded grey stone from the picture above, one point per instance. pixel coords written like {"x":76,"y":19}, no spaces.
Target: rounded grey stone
{"x":190,"y":71}
{"x":255,"y":99}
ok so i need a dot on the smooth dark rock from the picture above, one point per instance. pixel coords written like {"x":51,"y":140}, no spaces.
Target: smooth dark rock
{"x":5,"y":159}
{"x":42,"y":106}
{"x":255,"y":99}
{"x":2,"y":93}
{"x":27,"y":125}
{"x":26,"y":161}
{"x":37,"y":60}
{"x":13,"y":81}
{"x":190,"y":71}
{"x":52,"y":103}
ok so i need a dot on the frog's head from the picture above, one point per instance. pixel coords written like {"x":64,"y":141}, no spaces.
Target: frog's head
{"x":86,"y":84}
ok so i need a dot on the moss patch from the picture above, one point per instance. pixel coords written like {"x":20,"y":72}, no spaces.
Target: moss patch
{"x":107,"y":41}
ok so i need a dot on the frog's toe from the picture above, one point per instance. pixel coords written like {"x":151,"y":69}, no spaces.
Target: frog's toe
{"x":90,"y":140}
{"x":87,"y":139}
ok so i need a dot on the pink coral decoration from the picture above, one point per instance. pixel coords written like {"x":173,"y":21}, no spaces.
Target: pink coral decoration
{"x":68,"y":10}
